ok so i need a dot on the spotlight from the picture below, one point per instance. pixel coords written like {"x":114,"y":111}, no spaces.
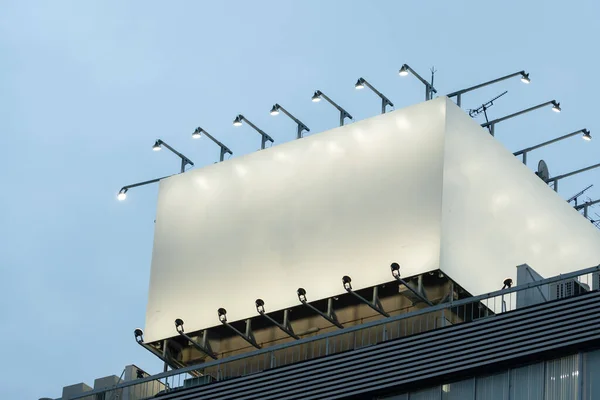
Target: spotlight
{"x":222,"y":314}
{"x":275,"y":110}
{"x":301,"y":294}
{"x":260,"y":306}
{"x":179,"y":325}
{"x":316,"y":97}
{"x":359,"y":84}
{"x":237,"y":121}
{"x":139,"y":335}
{"x":346,"y":281}
{"x":197,"y":133}
{"x":395,"y":267}
{"x":525,"y":78}
{"x":156,"y":146}
{"x":507,"y":283}
{"x":556,"y":107}
{"x":123,"y":194}
{"x":586,"y":135}
{"x":404,"y":70}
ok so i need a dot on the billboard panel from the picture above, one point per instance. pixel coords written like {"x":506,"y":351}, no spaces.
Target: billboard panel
{"x":348,"y":201}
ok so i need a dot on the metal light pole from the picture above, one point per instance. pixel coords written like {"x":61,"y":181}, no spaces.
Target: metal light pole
{"x":555,"y":179}
{"x":361,"y":83}
{"x":122,"y":195}
{"x":184,"y":160}
{"x":224,"y":149}
{"x":429,"y":89}
{"x":238,"y":122}
{"x":458,"y":94}
{"x":301,"y":127}
{"x":586,"y":136}
{"x":343,"y":113}
{"x":491,"y":124}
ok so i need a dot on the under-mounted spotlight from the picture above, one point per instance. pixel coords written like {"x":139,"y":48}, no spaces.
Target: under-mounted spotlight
{"x":395,"y":267}
{"x":222,"y":314}
{"x":343,"y":113}
{"x":139,"y":335}
{"x":556,"y":107}
{"x":301,"y":292}
{"x":179,"y":325}
{"x":525,"y":77}
{"x":122,"y":194}
{"x":301,"y":127}
{"x":184,"y":160}
{"x":403,"y":70}
{"x":260,"y":306}
{"x":587,"y":135}
{"x":224,"y":149}
{"x":507,"y":283}
{"x":346,"y":280}
{"x":238,"y":122}
{"x":361,"y":83}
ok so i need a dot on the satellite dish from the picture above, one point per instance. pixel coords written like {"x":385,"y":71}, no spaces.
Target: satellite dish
{"x":542,"y":171}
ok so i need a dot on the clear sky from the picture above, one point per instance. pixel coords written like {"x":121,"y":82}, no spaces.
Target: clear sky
{"x":86,"y":88}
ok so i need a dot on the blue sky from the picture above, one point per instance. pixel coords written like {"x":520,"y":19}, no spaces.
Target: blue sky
{"x":86,"y":88}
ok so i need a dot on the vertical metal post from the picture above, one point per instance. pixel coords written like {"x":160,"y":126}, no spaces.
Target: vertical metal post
{"x":182,"y":166}
{"x":458,"y":99}
{"x":222,"y":154}
{"x":263,"y":142}
{"x":383,"y":106}
{"x":585,"y":211}
{"x":556,"y":185}
{"x":341,"y":118}
{"x":525,"y":157}
{"x":166,"y":366}
{"x":426,"y":92}
{"x":299,"y":132}
{"x":492,"y":126}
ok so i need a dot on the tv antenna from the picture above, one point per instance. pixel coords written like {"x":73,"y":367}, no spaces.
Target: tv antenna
{"x":576,"y":196}
{"x":483,"y":109}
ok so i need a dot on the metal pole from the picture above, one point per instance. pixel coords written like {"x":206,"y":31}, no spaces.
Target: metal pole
{"x":382,"y":106}
{"x":341,"y":118}
{"x":166,"y":366}
{"x":459,"y":99}
{"x":525,"y":157}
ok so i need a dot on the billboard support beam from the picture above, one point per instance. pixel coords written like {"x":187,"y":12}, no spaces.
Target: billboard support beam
{"x":395,"y":267}
{"x":203,"y":347}
{"x":375,"y":304}
{"x":329,"y":315}
{"x":285,"y":326}
{"x":164,"y":356}
{"x":248,"y":336}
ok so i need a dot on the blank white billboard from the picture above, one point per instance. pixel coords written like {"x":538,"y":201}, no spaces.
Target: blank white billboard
{"x":423,"y":186}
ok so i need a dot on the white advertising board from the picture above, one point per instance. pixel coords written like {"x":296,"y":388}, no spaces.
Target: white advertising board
{"x":412,"y":186}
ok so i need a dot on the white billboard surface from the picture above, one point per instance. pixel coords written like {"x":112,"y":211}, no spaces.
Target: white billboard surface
{"x":423,"y":186}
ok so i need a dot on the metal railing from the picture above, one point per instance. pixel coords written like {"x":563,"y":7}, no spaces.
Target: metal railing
{"x":359,"y":336}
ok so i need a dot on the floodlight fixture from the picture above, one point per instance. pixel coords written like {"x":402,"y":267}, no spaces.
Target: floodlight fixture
{"x":491,"y":124}
{"x":164,"y":356}
{"x":586,"y":135}
{"x":224,"y":149}
{"x":139,"y":335}
{"x":238,"y":122}
{"x":122,"y":195}
{"x":285,"y":326}
{"x":375,"y":304}
{"x":248,"y":336}
{"x":184,"y":160}
{"x":343,"y":113}
{"x":508,"y":282}
{"x":301,"y":127}
{"x":458,"y":94}
{"x":203,"y":346}
{"x":361,"y":83}
{"x":429,"y":89}
{"x":395,"y":268}
{"x":329,"y":315}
